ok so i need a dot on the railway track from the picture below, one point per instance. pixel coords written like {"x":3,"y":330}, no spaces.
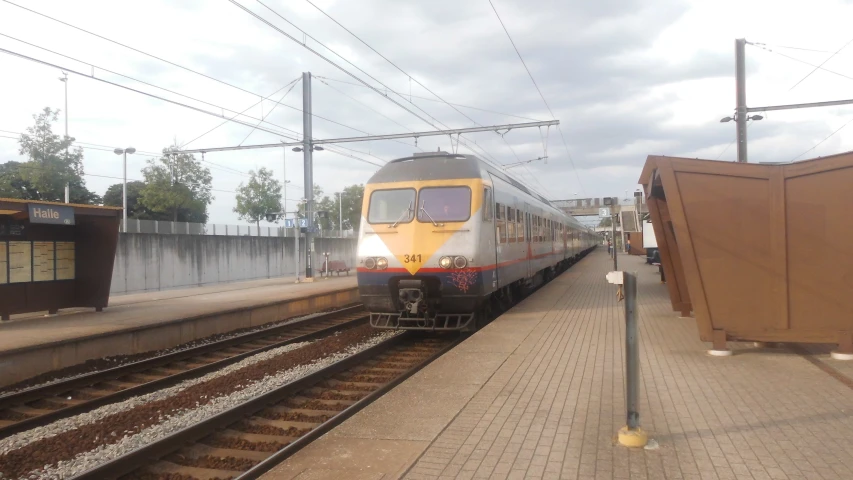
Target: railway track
{"x":38,"y":406}
{"x":249,"y":439}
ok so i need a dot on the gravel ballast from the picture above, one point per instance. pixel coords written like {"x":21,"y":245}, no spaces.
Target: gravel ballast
{"x":112,"y":434}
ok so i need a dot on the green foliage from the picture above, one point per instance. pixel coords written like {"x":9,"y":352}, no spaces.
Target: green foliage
{"x":13,"y":185}
{"x":135,"y":209}
{"x":177,"y":185}
{"x":52,"y":163}
{"x":350,"y":208}
{"x":262,"y":195}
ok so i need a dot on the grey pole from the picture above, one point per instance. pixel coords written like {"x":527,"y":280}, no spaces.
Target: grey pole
{"x":632,"y":351}
{"x":124,"y":195}
{"x":341,"y":214}
{"x":64,"y":80}
{"x":740,"y":91}
{"x":613,"y":227}
{"x":307,"y":148}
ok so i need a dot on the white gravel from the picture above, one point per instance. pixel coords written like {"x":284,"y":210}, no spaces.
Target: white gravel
{"x":118,"y":361}
{"x":178,"y":421}
{"x":25,"y":438}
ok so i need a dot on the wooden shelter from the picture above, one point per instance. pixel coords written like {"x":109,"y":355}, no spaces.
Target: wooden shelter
{"x":55,"y":255}
{"x":757,"y":252}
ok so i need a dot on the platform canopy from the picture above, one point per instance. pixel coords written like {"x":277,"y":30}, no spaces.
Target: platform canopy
{"x":759,"y":252}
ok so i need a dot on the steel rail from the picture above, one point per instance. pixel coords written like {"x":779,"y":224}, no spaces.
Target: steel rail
{"x":53,"y":389}
{"x":144,"y":456}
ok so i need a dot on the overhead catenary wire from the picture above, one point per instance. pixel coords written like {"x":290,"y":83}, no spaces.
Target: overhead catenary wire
{"x":764,"y":47}
{"x":560,"y":130}
{"x":821,"y":64}
{"x":315,"y":52}
{"x":69,"y":70}
{"x":435,"y":100}
{"x":161,"y":59}
{"x":135,"y":79}
{"x":825,"y":139}
{"x":263,"y":117}
{"x":411,"y":78}
{"x":35,"y":167}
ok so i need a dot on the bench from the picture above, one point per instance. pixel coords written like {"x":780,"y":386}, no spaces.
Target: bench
{"x":336,"y":266}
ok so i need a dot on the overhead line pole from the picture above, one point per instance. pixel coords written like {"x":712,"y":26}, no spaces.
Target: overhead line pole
{"x":742,"y":111}
{"x":307,"y":148}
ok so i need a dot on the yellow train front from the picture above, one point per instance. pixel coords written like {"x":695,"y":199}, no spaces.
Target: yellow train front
{"x":433,"y":251}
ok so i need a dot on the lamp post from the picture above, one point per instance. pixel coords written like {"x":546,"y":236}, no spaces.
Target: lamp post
{"x":125,"y":151}
{"x":64,"y":79}
{"x":340,"y":214}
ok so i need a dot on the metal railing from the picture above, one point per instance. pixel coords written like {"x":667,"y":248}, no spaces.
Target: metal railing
{"x":189,"y":228}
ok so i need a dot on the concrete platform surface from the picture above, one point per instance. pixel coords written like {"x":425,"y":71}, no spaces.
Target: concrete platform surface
{"x":133,"y":311}
{"x":539,"y":393}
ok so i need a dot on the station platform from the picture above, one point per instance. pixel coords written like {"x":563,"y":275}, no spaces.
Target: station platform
{"x":539,"y":393}
{"x":32,"y":344}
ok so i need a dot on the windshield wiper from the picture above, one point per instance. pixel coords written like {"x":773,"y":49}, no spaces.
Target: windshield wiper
{"x":423,"y":209}
{"x":402,"y":215}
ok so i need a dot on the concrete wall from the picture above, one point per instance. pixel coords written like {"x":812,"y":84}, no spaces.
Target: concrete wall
{"x":150,"y":262}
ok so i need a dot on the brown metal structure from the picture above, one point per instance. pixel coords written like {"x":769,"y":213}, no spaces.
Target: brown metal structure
{"x":71,"y":264}
{"x":757,"y":252}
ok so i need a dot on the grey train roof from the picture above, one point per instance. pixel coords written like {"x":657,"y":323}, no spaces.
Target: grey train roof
{"x":447,"y":166}
{"x":443,"y":166}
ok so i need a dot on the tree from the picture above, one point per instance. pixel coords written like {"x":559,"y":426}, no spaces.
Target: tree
{"x":351,"y":206}
{"x":13,"y":185}
{"x":262,"y":195}
{"x":52,"y":163}
{"x":135,"y":209}
{"x":177,"y":185}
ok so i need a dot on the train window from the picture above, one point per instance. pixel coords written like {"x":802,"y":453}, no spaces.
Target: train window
{"x":391,"y":206}
{"x":487,"y":204}
{"x":444,"y":204}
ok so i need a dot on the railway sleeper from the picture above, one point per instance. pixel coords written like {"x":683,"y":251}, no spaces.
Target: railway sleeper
{"x":167,"y":469}
{"x":230,"y":434}
{"x":201,"y":450}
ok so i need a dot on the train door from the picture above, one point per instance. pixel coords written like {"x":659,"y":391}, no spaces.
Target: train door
{"x":528,"y":234}
{"x":490,"y":196}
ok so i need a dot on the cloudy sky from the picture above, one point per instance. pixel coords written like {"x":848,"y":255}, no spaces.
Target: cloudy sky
{"x":626,"y":78}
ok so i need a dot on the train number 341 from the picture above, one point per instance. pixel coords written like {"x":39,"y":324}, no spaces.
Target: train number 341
{"x":412,"y":258}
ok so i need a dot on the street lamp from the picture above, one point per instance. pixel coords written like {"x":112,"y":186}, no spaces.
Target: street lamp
{"x":64,"y":79}
{"x":340,"y":214}
{"x":119,"y":151}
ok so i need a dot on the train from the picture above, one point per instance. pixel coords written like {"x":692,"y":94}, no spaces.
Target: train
{"x":446,"y":239}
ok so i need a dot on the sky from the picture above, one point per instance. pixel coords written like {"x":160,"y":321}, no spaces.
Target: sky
{"x":625,"y":78}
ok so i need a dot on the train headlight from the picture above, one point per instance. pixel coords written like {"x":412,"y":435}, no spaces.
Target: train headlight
{"x":445,"y":262}
{"x":381,"y":263}
{"x":370,"y":263}
{"x":460,"y":262}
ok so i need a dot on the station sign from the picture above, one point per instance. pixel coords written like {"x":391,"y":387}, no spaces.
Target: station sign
{"x":603,"y":212}
{"x":290,"y":223}
{"x":53,"y":214}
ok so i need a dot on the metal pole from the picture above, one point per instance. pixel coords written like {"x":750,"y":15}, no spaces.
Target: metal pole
{"x":307,"y":146}
{"x":341,"y":214}
{"x":613,"y":227}
{"x":67,"y":185}
{"x":632,"y":351}
{"x":284,"y":185}
{"x":124,"y":195}
{"x":740,"y":91}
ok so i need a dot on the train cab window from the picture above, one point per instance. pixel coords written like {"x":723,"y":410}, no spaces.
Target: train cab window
{"x":444,"y":204}
{"x":391,"y":206}
{"x":487,"y":204}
